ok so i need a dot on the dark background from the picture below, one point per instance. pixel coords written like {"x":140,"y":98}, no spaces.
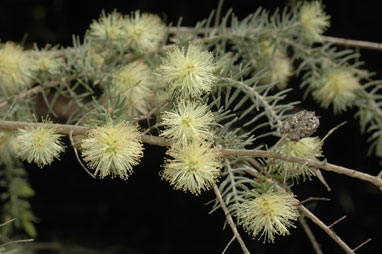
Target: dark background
{"x":144,"y":214}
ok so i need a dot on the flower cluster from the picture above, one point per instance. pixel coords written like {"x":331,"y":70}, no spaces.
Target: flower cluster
{"x":313,"y":20}
{"x":336,"y":87}
{"x":40,"y":144}
{"x":139,"y":32}
{"x":113,"y":149}
{"x":195,"y":164}
{"x":268,"y":214}
{"x":194,"y":167}
{"x":308,"y":148}
{"x":15,"y":69}
{"x":188,"y":71}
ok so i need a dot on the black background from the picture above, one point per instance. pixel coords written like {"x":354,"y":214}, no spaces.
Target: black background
{"x":144,"y":214}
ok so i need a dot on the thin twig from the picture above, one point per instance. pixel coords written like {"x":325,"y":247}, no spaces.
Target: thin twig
{"x":325,"y":228}
{"x":8,"y":221}
{"x":229,"y":219}
{"x":228,"y":244}
{"x":362,"y":244}
{"x":322,"y":179}
{"x":310,"y":235}
{"x":331,"y":131}
{"x":17,"y":241}
{"x":334,"y":223}
{"x":314,"y":199}
{"x":78,"y":157}
{"x":353,"y":43}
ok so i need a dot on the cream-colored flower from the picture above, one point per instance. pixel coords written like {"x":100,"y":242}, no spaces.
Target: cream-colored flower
{"x":40,"y":144}
{"x":307,"y":148}
{"x":144,"y":31}
{"x":313,"y":20}
{"x":268,"y":214}
{"x":15,"y":72}
{"x":188,"y":122}
{"x":194,"y":167}
{"x":276,"y":64}
{"x":188,"y":71}
{"x":108,"y":29}
{"x":46,"y":62}
{"x":134,"y":82}
{"x":113,"y":149}
{"x":336,"y":87}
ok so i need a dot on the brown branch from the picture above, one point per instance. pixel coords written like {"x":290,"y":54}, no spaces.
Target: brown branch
{"x":314,"y":199}
{"x":159,"y":141}
{"x":31,"y":91}
{"x":337,"y":221}
{"x":325,"y":228}
{"x":330,"y":39}
{"x":17,"y":241}
{"x":309,"y":162}
{"x":229,"y":219}
{"x":353,"y":43}
{"x":362,"y":244}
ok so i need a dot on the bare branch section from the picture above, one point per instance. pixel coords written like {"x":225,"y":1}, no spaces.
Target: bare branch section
{"x":159,"y":141}
{"x":229,"y":219}
{"x":325,"y":228}
{"x":330,"y":39}
{"x":312,"y":238}
{"x":353,"y":43}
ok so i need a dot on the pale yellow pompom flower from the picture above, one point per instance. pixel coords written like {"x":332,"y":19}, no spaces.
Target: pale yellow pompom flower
{"x":134,"y":82}
{"x":108,"y":29}
{"x":268,"y":214}
{"x":278,"y":69}
{"x":336,"y":87}
{"x":307,"y":148}
{"x":276,"y":64}
{"x":188,"y":71}
{"x":40,"y":144}
{"x":313,"y":20}
{"x":46,"y":62}
{"x":113,"y":149}
{"x":144,"y":31}
{"x":194,"y":167}
{"x":188,"y":122}
{"x":15,"y":73}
